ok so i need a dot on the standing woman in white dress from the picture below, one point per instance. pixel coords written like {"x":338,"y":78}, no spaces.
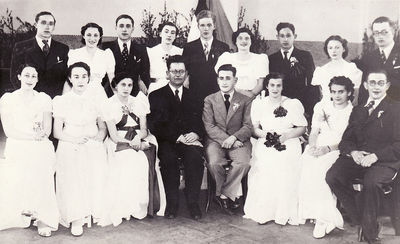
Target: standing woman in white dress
{"x":101,"y":62}
{"x":81,"y":154}
{"x":251,"y":67}
{"x":278,"y":123}
{"x":330,"y":119}
{"x":27,"y":173}
{"x":159,"y":54}
{"x":336,"y":49}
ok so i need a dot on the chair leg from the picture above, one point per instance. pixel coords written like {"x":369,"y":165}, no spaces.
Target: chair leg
{"x":210,"y":192}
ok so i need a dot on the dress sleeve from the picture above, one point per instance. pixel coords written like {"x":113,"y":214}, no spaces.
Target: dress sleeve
{"x":223,"y":59}
{"x":108,"y":110}
{"x":317,"y":79}
{"x":4,"y":103}
{"x":255,"y":109}
{"x":142,"y":105}
{"x":318,"y":114}
{"x":72,"y":57}
{"x":355,"y":75}
{"x":262,"y":66}
{"x":296,"y":111}
{"x":59,"y":109}
{"x":47,"y":103}
{"x":109,"y":56}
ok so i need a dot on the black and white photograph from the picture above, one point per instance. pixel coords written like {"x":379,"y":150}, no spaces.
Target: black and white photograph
{"x":200,"y":121}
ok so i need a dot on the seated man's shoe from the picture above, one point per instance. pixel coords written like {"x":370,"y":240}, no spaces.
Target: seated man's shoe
{"x":376,"y":240}
{"x":170,"y":212}
{"x":319,"y":230}
{"x":360,"y":234}
{"x":195,"y":212}
{"x":235,"y":204}
{"x":224,"y":204}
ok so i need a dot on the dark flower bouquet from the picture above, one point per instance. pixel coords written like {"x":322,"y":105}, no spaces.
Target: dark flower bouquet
{"x":280,"y":112}
{"x":272,"y":140}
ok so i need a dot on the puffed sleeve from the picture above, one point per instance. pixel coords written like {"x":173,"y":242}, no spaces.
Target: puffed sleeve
{"x":318,"y":114}
{"x":355,"y":75}
{"x":109,"y":110}
{"x":262,"y":69}
{"x":59,"y":109}
{"x":142,"y":105}
{"x":223,"y":59}
{"x":296,"y":111}
{"x":109,"y":57}
{"x":318,"y":78}
{"x":73,"y":56}
{"x":4,"y":103}
{"x":256,"y":107}
{"x":47,"y":104}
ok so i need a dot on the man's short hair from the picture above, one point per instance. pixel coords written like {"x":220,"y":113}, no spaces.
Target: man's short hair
{"x":44,"y":13}
{"x":283,"y":25}
{"x":378,"y":71}
{"x":175,"y":59}
{"x":124,"y":16}
{"x":227,"y":67}
{"x":206,"y":14}
{"x":383,"y":19}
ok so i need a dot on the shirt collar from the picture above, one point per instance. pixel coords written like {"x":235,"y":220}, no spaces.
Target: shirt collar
{"x":208,"y":41}
{"x":121,"y":45}
{"x":387,"y":50}
{"x":230,"y":95}
{"x":289,"y":52}
{"x":40,"y":42}
{"x":180,"y":89}
{"x":377,"y":102}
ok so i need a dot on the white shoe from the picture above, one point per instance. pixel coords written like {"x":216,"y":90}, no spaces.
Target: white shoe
{"x":77,"y":228}
{"x":319,"y":230}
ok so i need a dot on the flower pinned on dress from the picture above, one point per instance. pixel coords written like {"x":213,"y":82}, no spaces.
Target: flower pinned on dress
{"x":165,"y":57}
{"x":272,"y":140}
{"x":293,"y":61}
{"x":280,"y":112}
{"x":126,"y":109}
{"x":235,"y":106}
{"x":325,"y":118}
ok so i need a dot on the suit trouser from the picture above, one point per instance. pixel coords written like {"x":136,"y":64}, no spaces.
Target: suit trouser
{"x":365,"y":211}
{"x":192,"y":158}
{"x":217,"y":158}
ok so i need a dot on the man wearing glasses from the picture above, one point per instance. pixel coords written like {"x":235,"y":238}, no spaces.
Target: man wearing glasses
{"x":369,"y":150}
{"x":386,"y":56}
{"x":175,"y":120}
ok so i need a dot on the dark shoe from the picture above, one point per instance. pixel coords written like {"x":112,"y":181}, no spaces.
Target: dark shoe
{"x":195,"y":211}
{"x":169,"y":215}
{"x":224,"y":204}
{"x":235,"y":204}
{"x":362,"y":238}
{"x":376,"y":240}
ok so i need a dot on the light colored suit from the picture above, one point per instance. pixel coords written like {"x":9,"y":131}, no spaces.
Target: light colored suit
{"x":219,"y":125}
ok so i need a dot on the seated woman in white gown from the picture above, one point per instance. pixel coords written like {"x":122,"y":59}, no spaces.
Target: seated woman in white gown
{"x":131,"y":153}
{"x":81,"y":154}
{"x":27,"y":173}
{"x":101,"y":62}
{"x":251,"y":68}
{"x":330,"y":119}
{"x":278,"y":123}
{"x":336,"y":49}
{"x":159,"y":54}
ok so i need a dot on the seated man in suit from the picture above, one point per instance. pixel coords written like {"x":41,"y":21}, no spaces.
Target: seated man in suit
{"x":175,"y":120}
{"x":226,"y":118}
{"x":298,"y":67}
{"x":129,"y":57}
{"x":49,"y":56}
{"x":386,"y":56}
{"x":202,"y":54}
{"x":370,"y":150}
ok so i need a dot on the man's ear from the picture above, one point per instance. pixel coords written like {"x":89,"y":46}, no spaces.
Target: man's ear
{"x":365,"y":85}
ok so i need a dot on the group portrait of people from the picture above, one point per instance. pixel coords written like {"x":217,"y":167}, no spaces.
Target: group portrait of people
{"x":100,"y":134}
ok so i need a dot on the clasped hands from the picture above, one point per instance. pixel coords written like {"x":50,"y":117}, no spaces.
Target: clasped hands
{"x":318,"y":151}
{"x":231,"y":142}
{"x":188,"y":138}
{"x":364,"y":159}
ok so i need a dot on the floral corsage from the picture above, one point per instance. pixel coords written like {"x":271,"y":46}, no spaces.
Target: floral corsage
{"x":280,"y":112}
{"x":272,"y":140}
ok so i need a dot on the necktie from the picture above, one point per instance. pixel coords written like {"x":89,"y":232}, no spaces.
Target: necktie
{"x":227,"y":103}
{"x":46,"y":47}
{"x":370,"y":106}
{"x":206,"y":51}
{"x":125,"y":54}
{"x":177,"y":95}
{"x":383,"y":56}
{"x":286,"y":55}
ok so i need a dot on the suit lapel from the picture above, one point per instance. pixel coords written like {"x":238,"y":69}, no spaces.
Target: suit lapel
{"x":381,"y":107}
{"x":51,"y":58}
{"x":199,"y":46}
{"x":393,"y":56}
{"x":220,"y":104}
{"x":231,"y":112}
{"x":37,"y":55}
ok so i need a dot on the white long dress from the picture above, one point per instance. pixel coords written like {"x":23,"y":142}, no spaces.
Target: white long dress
{"x":127,"y":187}
{"x":323,"y":75}
{"x":100,"y":64}
{"x":273,"y":176}
{"x":27,"y":173}
{"x":81,"y":168}
{"x":247,"y":71}
{"x":316,"y":200}
{"x":158,"y":65}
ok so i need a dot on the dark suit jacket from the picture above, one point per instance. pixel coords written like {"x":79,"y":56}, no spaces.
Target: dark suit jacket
{"x":372,"y":61}
{"x":220,"y":124}
{"x":138,"y":61}
{"x":377,"y":133}
{"x":202,"y":76}
{"x":52,"y":70}
{"x":297,"y":83}
{"x":168,"y":119}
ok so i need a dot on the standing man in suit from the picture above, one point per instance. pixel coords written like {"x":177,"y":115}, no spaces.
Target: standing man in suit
{"x":386,"y":56}
{"x":226,"y":118}
{"x":129,"y":57}
{"x":175,"y":120}
{"x":370,"y":150}
{"x":201,"y":55}
{"x":49,"y":56}
{"x":297,"y":66}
